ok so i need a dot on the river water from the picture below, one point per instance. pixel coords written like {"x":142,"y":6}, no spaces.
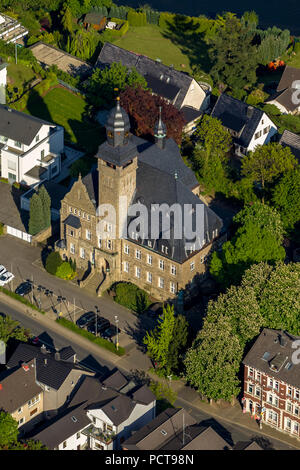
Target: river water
{"x":282,"y":14}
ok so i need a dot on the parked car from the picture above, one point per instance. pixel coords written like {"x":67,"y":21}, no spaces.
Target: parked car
{"x":102,"y":325}
{"x":2,"y":269}
{"x":24,"y":288}
{"x":85,"y":319}
{"x":5,"y":278}
{"x":110,"y":332}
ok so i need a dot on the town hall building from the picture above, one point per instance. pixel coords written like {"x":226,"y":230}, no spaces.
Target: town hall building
{"x":149,"y":174}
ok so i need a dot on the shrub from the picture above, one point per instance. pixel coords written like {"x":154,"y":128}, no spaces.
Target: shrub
{"x":20,"y":299}
{"x":131,"y":296}
{"x":136,"y":18}
{"x":1,"y":229}
{"x":297,"y":47}
{"x":104,"y":343}
{"x":65,"y":271}
{"x":53,"y":262}
{"x":165,"y":19}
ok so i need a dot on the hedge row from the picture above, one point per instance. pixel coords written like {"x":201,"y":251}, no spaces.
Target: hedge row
{"x":103,"y":343}
{"x":20,"y":299}
{"x":137,"y":18}
{"x":118,"y":33}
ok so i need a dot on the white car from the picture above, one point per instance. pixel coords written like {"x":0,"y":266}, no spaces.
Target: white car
{"x":2,"y":269}
{"x":5,"y":278}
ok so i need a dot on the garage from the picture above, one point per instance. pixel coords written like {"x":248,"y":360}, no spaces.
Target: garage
{"x":19,"y":234}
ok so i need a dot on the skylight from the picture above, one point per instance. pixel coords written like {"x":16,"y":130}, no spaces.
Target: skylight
{"x":266,"y":356}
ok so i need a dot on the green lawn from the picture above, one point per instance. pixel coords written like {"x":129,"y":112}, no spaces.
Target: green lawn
{"x":19,"y":75}
{"x":149,"y":40}
{"x":66,"y":109}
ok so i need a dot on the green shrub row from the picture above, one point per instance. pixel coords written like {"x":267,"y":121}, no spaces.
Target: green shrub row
{"x":103,"y":343}
{"x":136,"y":18}
{"x":20,"y":299}
{"x":117,"y":33}
{"x":131,"y":296}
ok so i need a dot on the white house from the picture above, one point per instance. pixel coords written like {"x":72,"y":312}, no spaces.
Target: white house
{"x":30,"y":148}
{"x":100,"y":416}
{"x":176,"y":87}
{"x":249,"y":126}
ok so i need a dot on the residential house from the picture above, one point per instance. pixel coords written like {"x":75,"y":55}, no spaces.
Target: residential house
{"x":287,"y":96}
{"x":57,"y":375}
{"x":272,"y":381}
{"x":178,"y":88}
{"x":11,"y":30}
{"x":134,"y":171}
{"x":291,"y":140}
{"x":95,"y":21}
{"x":174,"y":430}
{"x":100,"y":416}
{"x":248,"y":126}
{"x":30,"y":148}
{"x":22,"y":396}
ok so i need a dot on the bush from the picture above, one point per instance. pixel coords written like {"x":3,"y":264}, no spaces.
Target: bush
{"x":53,"y":262}
{"x":1,"y":229}
{"x":165,"y":19}
{"x":131,"y":296}
{"x":65,"y":271}
{"x":103,"y":343}
{"x":136,"y":18}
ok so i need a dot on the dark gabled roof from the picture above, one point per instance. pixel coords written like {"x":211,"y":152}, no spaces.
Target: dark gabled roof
{"x":143,"y":395}
{"x":285,"y":98}
{"x":119,"y":409}
{"x":161,"y":430}
{"x":190,"y":114}
{"x":93,"y":18}
{"x":279,"y":346}
{"x":154,"y":186}
{"x":91,"y":183}
{"x":17,"y":387}
{"x":237,"y":116}
{"x":148,"y":67}
{"x":291,"y":140}
{"x":197,"y":437}
{"x":115,"y":381}
{"x":72,"y":221}
{"x":167,"y":160}
{"x":162,"y":87}
{"x":18,"y":126}
{"x":48,"y":370}
{"x":290,"y":74}
{"x":66,"y":353}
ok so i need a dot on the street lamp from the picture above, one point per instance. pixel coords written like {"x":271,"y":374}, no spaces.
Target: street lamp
{"x":117,"y":321}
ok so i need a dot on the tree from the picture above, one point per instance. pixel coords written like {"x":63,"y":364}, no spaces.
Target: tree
{"x":212,"y":136}
{"x":250,"y":20}
{"x":53,"y":262}
{"x":102,"y":84}
{"x":212,"y":363}
{"x":258,"y":238}
{"x":36,"y":215}
{"x":233,"y":55}
{"x":8,"y":429}
{"x":46,"y":205}
{"x":267,"y":162}
{"x":286,"y":199}
{"x":159,"y":340}
{"x":273,"y":43}
{"x":178,"y":343}
{"x":143,"y":110}
{"x":67,"y":19}
{"x":10,"y":328}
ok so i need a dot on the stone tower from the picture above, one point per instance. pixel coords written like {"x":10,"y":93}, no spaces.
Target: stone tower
{"x":117,"y":165}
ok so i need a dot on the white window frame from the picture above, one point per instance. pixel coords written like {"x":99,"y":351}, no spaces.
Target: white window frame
{"x":161,"y":282}
{"x":88,"y":234}
{"x":149,"y":277}
{"x":126,"y":267}
{"x":138,"y":254}
{"x":173,"y":269}
{"x":161,"y":264}
{"x":72,"y":248}
{"x":138,"y":272}
{"x":126,"y":249}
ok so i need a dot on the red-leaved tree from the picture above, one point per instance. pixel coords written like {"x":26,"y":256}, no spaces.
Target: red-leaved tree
{"x":143,"y":110}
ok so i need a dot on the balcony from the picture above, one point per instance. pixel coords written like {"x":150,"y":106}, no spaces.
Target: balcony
{"x":103,"y":436}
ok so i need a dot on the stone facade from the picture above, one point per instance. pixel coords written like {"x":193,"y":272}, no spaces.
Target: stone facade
{"x":147,"y":264}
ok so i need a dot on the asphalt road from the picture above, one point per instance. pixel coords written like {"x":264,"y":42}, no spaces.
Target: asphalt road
{"x":231,"y":433}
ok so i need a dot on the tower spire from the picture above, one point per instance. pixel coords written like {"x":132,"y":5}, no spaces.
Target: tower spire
{"x":160,"y":132}
{"x":117,"y":126}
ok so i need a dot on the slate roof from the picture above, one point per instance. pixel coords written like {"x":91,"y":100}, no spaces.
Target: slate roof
{"x":237,"y":116}
{"x":291,"y":140}
{"x":162,"y":88}
{"x":119,"y":155}
{"x":72,"y":221}
{"x":92,"y":394}
{"x":290,"y":74}
{"x":197,"y":437}
{"x":279,"y":346}
{"x":91,"y":183}
{"x":52,"y":372}
{"x":66,"y":353}
{"x":285,"y":98}
{"x":115,"y":380}
{"x":17,"y":387}
{"x":19,"y":126}
{"x":179,"y":82}
{"x":241,"y":445}
{"x":154,"y":186}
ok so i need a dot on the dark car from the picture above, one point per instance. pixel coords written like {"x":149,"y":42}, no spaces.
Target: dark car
{"x":24,"y":288}
{"x":86,"y":319}
{"x":102,"y":325}
{"x":110,"y":332}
